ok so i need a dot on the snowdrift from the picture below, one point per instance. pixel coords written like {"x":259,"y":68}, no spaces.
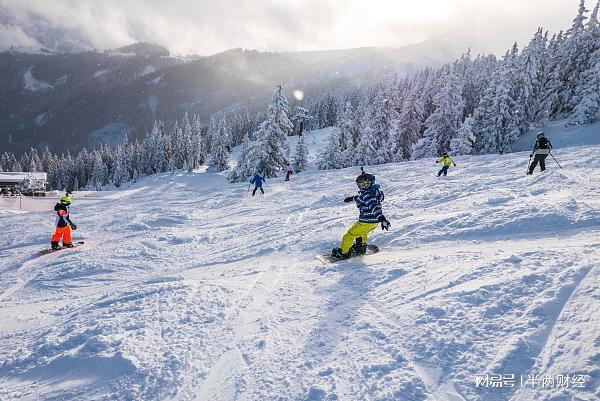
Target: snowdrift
{"x":189,"y":289}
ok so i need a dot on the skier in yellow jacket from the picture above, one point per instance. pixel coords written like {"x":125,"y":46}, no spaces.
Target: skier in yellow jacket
{"x":446,"y":162}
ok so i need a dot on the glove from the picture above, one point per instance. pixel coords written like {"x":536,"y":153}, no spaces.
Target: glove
{"x":385,"y":225}
{"x":530,"y":156}
{"x":73,"y":226}
{"x":349,"y":199}
{"x":454,"y":164}
{"x":437,"y":161}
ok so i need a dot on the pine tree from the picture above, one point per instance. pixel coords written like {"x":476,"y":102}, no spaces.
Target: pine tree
{"x":587,"y":109}
{"x":271,"y":152}
{"x":246,"y":163}
{"x":301,"y":155}
{"x":99,"y":173}
{"x":443,"y":123}
{"x":219,"y":156}
{"x":409,"y":125}
{"x":279,"y":110}
{"x":462,"y":143}
{"x":331,"y":156}
{"x":349,"y":129}
{"x":366,"y":151}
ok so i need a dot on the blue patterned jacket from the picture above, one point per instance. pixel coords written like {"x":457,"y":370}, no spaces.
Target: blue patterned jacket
{"x":369,"y":204}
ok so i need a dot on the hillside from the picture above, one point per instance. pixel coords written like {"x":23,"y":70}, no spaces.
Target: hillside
{"x":189,"y":289}
{"x":121,"y":92}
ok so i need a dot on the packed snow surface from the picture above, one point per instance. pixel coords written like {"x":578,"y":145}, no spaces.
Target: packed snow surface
{"x":189,"y":289}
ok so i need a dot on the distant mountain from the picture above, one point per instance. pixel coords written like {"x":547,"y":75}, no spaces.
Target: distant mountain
{"x":142,"y":49}
{"x":67,"y":101}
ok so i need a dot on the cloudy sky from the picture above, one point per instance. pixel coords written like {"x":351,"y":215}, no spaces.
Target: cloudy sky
{"x":210,"y":26}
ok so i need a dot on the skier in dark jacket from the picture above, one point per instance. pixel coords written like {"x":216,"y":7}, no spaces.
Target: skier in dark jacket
{"x":368,"y":201}
{"x":541,"y":150}
{"x":257,"y":180}
{"x":64,"y":225}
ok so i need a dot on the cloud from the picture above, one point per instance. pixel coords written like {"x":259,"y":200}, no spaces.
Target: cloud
{"x":206,"y":27}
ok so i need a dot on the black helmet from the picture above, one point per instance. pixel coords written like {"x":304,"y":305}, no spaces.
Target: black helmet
{"x":365,"y":180}
{"x":540,"y":135}
{"x":444,"y":154}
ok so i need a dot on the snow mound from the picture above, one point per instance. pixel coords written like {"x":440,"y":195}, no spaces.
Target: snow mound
{"x":561,"y":135}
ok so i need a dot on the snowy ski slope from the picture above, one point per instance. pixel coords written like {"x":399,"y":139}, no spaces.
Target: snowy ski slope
{"x":189,"y":289}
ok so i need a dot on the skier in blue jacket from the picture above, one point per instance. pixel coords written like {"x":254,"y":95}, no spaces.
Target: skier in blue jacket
{"x":257,"y":180}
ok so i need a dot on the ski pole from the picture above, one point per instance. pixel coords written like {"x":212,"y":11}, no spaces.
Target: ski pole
{"x":248,"y":190}
{"x":528,"y":164}
{"x":555,"y":159}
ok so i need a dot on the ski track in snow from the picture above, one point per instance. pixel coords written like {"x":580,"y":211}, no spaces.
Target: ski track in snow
{"x":189,"y":289}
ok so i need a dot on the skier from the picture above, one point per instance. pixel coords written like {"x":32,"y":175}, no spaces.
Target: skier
{"x":446,"y":163}
{"x":257,"y":180}
{"x":64,"y":225}
{"x":541,"y":149}
{"x":289,"y":172}
{"x":368,"y":201}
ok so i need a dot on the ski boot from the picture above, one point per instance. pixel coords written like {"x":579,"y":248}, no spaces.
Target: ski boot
{"x":54,"y":245}
{"x":336,"y":254}
{"x":359,"y":247}
{"x":69,"y":245}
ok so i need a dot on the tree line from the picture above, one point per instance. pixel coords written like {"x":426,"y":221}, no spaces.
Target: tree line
{"x":474,"y":105}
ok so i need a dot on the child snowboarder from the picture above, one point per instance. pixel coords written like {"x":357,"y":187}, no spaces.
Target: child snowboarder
{"x":257,"y":180}
{"x":446,"y":163}
{"x":368,"y":201}
{"x":289,"y":172}
{"x":64,"y":225}
{"x":541,"y":149}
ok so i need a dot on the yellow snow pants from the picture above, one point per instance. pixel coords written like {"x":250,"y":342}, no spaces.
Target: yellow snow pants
{"x":359,"y":229}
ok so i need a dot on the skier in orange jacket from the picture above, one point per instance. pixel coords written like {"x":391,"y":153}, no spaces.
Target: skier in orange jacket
{"x":64,"y":225}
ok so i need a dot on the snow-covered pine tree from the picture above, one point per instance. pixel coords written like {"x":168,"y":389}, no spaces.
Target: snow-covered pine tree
{"x":349,"y":128}
{"x":532,"y":67}
{"x":246,"y":163}
{"x":379,"y":120}
{"x":99,"y":173}
{"x":120,"y":172}
{"x":443,"y":123}
{"x":409,"y":125}
{"x":366,"y":150}
{"x":331,"y":156}
{"x":587,"y":110}
{"x":279,"y":110}
{"x":219,"y":157}
{"x":301,"y":154}
{"x":271,"y":150}
{"x":498,"y":120}
{"x":198,"y":142}
{"x":212,"y":129}
{"x":462,"y":143}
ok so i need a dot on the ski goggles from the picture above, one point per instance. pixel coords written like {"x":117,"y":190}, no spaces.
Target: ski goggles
{"x":363,"y":184}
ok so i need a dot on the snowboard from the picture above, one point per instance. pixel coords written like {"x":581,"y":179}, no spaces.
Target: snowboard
{"x":327,"y":259}
{"x":47,"y":251}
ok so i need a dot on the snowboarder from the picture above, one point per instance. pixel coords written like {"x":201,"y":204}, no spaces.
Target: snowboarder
{"x":257,"y":180}
{"x":368,"y":201}
{"x":446,"y":163}
{"x":541,"y":150}
{"x":289,"y":172}
{"x":64,"y":225}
